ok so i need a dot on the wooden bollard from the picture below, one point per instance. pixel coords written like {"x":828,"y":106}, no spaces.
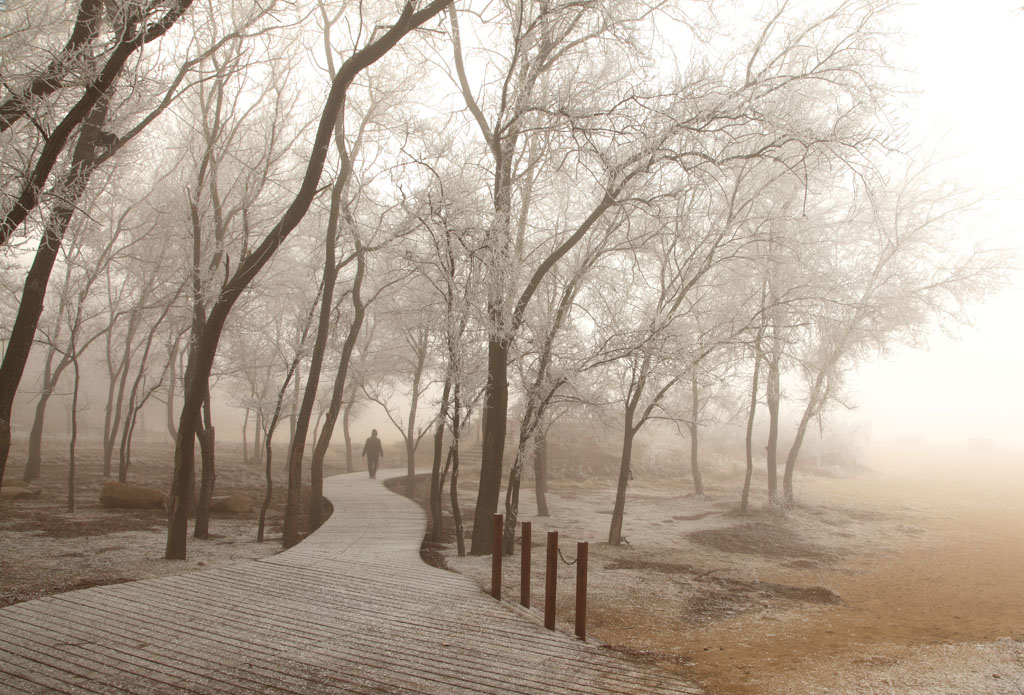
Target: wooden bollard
{"x":496,"y":552}
{"x":581,"y":590}
{"x":525,"y":550}
{"x":551,"y":579}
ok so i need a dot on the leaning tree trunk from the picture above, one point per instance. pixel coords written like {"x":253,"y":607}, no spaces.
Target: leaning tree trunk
{"x":33,"y":465}
{"x":323,"y":329}
{"x":30,"y":308}
{"x":198,"y":383}
{"x":337,"y":395}
{"x":615,"y":532}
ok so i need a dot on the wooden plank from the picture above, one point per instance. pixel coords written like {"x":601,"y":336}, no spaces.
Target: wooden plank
{"x":351,"y":609}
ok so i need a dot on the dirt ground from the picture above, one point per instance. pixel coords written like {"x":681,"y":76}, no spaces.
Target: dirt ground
{"x":903,"y":580}
{"x":908,"y":580}
{"x":46,"y":550}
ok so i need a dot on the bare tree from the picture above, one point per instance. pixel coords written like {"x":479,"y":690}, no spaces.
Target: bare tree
{"x":205,"y":345}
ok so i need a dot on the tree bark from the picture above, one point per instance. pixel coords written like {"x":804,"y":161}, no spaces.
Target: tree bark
{"x":323,"y":330}
{"x":338,"y":394}
{"x":251,"y":265}
{"x":436,"y":516}
{"x":540,"y":470}
{"x":496,"y":415}
{"x":772,"y":398}
{"x":698,"y":482}
{"x":19,"y":342}
{"x":625,"y":462}
{"x":749,"y":439}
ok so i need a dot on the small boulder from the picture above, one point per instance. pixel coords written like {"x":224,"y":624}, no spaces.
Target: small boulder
{"x":18,"y":490}
{"x":123,"y":495}
{"x":232,"y":504}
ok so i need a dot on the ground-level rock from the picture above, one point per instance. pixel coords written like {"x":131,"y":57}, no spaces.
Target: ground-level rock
{"x":232,"y":504}
{"x":124,"y":495}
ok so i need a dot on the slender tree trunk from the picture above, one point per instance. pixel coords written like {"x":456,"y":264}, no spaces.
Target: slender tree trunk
{"x":749,"y":439}
{"x":206,"y":436}
{"x":772,"y":398}
{"x":540,"y":470}
{"x":269,"y":479}
{"x":347,"y":433}
{"x":30,"y":308}
{"x":338,"y":394}
{"x":257,"y":448}
{"x":625,"y":463}
{"x":496,"y":414}
{"x":698,"y":482}
{"x":436,"y":516}
{"x":198,"y":376}
{"x":116,"y":406}
{"x":33,"y":465}
{"x":172,"y":386}
{"x":74,"y":432}
{"x":794,"y":449}
{"x":245,"y":437}
{"x":453,"y":490}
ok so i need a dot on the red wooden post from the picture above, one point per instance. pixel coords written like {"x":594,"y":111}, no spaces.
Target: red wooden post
{"x":496,"y":552}
{"x":525,"y":550}
{"x":551,"y":579}
{"x":581,"y":589}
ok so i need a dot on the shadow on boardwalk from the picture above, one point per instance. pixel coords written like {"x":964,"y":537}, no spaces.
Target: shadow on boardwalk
{"x":352,"y":609}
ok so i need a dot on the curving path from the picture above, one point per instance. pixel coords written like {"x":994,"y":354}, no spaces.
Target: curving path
{"x":352,"y":609}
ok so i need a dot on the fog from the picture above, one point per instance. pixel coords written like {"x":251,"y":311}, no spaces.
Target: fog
{"x":965,"y":385}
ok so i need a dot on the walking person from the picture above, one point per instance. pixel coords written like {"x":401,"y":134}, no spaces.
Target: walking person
{"x":373,"y":451}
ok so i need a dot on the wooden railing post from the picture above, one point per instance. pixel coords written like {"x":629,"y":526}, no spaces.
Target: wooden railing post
{"x":581,"y":590}
{"x":525,"y":550}
{"x":551,"y":579}
{"x":496,"y":552}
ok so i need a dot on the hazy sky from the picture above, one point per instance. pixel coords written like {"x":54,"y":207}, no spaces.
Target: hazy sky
{"x":969,"y":60}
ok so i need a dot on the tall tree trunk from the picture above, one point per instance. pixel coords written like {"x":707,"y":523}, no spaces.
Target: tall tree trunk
{"x":794,"y":450}
{"x":115,"y":406}
{"x":625,"y":463}
{"x":206,"y":436}
{"x":540,"y":470}
{"x":436,"y":516}
{"x":33,"y":465}
{"x":245,"y":437}
{"x":251,"y":264}
{"x":30,"y":308}
{"x":460,"y":532}
{"x":338,"y":393}
{"x":257,"y":448}
{"x":772,"y":398}
{"x":74,"y":432}
{"x":749,"y":439}
{"x":347,"y":433}
{"x":698,"y":482}
{"x":495,"y":412}
{"x":323,"y":330}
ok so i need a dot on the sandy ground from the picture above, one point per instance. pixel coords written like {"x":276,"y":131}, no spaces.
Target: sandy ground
{"x":909,"y":581}
{"x":46,"y":550}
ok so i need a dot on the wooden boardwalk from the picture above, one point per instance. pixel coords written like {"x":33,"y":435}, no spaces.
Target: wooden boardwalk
{"x":352,"y":609}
